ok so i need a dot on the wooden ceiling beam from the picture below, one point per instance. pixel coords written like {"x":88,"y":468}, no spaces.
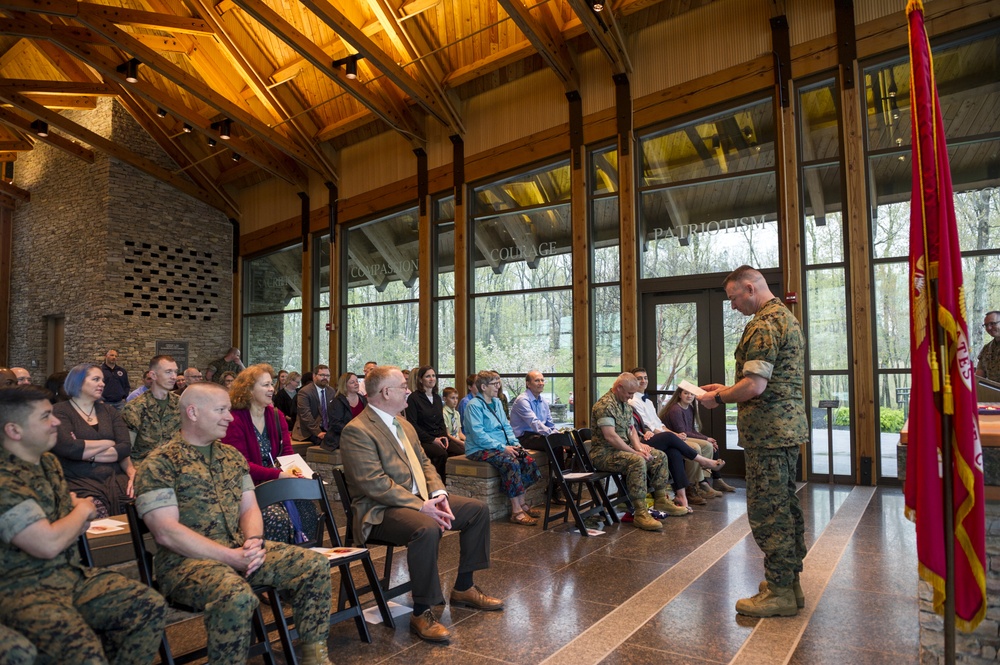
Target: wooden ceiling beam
{"x":176,"y":150}
{"x":293,"y":117}
{"x":7,"y":146}
{"x":114,"y":150}
{"x":164,"y":44}
{"x":119,"y":15}
{"x":318,"y":58}
{"x":603,"y":30}
{"x":14,"y":191}
{"x":345,"y":125}
{"x":551,"y":47}
{"x":63,"y":102}
{"x":35,"y":87}
{"x":353,"y":35}
{"x":8,"y":156}
{"x":17,"y":122}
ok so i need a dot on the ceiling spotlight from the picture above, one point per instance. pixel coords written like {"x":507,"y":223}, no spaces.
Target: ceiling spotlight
{"x":211,"y":143}
{"x":40,"y":127}
{"x":225,"y":129}
{"x":350,"y":65}
{"x":161,"y":112}
{"x":237,"y":157}
{"x":598,"y":6}
{"x":130,"y":69}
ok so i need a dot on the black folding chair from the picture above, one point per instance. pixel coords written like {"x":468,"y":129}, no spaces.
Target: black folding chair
{"x":260,"y":645}
{"x":597,"y":504}
{"x":86,"y":558}
{"x":583,"y":435}
{"x":383,"y":582}
{"x":301,"y":489}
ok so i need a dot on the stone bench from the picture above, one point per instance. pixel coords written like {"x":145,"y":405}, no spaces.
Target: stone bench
{"x":481,"y":481}
{"x":323,"y":462}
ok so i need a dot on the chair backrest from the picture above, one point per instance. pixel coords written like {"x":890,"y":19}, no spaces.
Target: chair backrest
{"x":301,"y":489}
{"x":564,"y":441}
{"x":143,"y":557}
{"x":345,"y":502}
{"x":582,"y":436}
{"x":86,"y":558}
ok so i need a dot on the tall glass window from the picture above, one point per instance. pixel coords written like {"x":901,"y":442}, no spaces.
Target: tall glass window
{"x":708,"y":201}
{"x":381,"y":267}
{"x":605,"y":294}
{"x":522,"y":298}
{"x":826,"y":316}
{"x":321,"y":301}
{"x":444,"y":293}
{"x":272,"y":308}
{"x":967,"y":74}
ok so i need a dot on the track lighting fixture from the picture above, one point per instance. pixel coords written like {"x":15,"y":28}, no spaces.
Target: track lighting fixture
{"x":225,"y":129}
{"x":598,"y":6}
{"x":350,"y":65}
{"x":211,"y":143}
{"x":187,"y":128}
{"x":236,"y":157}
{"x":130,"y":69}
{"x":161,"y":112}
{"x":40,"y":127}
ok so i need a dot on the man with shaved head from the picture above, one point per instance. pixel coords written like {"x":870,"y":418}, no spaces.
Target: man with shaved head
{"x":23,"y":376}
{"x":771,"y":417}
{"x":7,"y":378}
{"x":196,"y":496}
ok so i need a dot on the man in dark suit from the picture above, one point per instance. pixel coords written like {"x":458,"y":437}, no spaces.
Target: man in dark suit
{"x":398,"y":497}
{"x":313,"y":405}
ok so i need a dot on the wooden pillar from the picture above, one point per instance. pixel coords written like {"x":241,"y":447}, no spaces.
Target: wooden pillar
{"x":333,"y":353}
{"x":237,"y":322}
{"x":581,"y":261}
{"x":426,"y":277}
{"x":461,"y":264}
{"x":626,"y":211}
{"x":306,"y":290}
{"x":789,"y":226}
{"x":6,"y":256}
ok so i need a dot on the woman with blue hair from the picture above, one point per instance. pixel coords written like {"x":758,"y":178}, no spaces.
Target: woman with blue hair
{"x":93,"y":443}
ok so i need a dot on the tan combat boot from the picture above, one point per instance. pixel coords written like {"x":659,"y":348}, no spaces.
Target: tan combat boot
{"x":315,"y":654}
{"x":800,"y":598}
{"x":771,"y":602}
{"x":645,"y":521}
{"x":663,"y":503}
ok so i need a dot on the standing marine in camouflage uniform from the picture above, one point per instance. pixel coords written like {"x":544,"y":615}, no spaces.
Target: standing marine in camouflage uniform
{"x":197,"y":498}
{"x":48,"y":597}
{"x":154,"y":416}
{"x":228,"y":363}
{"x":770,"y":366}
{"x":15,"y":649}
{"x":616,"y":447}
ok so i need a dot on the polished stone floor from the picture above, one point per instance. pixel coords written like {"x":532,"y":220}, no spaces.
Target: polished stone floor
{"x":635,"y":597}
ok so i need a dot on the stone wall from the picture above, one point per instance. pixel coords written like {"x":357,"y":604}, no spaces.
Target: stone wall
{"x":982,"y":646}
{"x":126,"y":259}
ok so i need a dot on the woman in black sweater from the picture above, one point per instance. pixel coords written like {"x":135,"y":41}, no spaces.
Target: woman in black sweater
{"x":425,"y":411}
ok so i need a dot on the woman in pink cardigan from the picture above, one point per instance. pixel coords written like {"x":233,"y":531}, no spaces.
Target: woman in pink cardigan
{"x":261,"y":435}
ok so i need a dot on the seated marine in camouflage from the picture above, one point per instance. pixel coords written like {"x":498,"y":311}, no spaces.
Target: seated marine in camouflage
{"x":197,"y":498}
{"x":71,"y":614}
{"x":153,"y":417}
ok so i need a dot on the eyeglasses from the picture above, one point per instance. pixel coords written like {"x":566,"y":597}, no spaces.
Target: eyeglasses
{"x":495,"y":383}
{"x":991,"y":324}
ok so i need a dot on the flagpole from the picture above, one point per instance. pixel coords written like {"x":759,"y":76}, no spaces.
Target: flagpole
{"x":947,"y":490}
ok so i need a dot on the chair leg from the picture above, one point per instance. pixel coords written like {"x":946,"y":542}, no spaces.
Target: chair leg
{"x":580,"y":524}
{"x":260,"y":630}
{"x":166,"y":656}
{"x":347,"y":584}
{"x":386,"y":570}
{"x":282,"y":624}
{"x":373,"y":581}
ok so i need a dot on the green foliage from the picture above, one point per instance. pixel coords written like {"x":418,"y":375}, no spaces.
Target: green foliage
{"x":890,"y":420}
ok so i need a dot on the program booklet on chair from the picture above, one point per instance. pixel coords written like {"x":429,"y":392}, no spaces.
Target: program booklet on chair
{"x":334,"y":553}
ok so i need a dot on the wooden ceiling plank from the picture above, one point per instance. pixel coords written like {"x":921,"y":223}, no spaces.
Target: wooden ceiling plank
{"x":164,"y":44}
{"x":36,"y":87}
{"x":490,"y":63}
{"x":15,"y":121}
{"x":551,"y":47}
{"x":14,"y":191}
{"x":313,"y":54}
{"x":290,"y":116}
{"x":345,"y":125}
{"x":195,"y":87}
{"x":144,"y":19}
{"x":114,"y":150}
{"x":63,"y":102}
{"x":19,"y":50}
{"x":364,"y":45}
{"x":7,"y":146}
{"x":175,"y":150}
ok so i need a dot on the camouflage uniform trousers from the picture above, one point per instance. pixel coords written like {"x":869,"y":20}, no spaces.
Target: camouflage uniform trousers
{"x":229,"y":603}
{"x":15,"y":649}
{"x":774,"y":512}
{"x":641,"y":477}
{"x":61,"y":620}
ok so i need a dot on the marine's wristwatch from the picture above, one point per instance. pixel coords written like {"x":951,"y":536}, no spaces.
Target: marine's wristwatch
{"x":718,"y":398}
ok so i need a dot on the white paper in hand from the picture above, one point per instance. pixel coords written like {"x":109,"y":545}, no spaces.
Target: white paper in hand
{"x":691,"y":388}
{"x":294,"y":463}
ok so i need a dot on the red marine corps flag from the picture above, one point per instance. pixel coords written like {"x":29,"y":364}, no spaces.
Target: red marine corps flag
{"x":943,"y":407}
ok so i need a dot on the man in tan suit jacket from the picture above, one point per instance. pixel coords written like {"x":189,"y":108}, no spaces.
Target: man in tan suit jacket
{"x":398,"y":497}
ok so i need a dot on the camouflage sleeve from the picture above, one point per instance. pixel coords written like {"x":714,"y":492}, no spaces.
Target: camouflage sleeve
{"x":762,"y":350}
{"x":153,"y":499}
{"x":17,"y":519}
{"x":600,"y":416}
{"x":130,"y":414}
{"x":247,"y":483}
{"x":154,"y":474}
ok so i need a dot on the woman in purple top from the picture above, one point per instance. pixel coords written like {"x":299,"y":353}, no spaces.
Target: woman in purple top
{"x":681,"y":415}
{"x":261,"y":435}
